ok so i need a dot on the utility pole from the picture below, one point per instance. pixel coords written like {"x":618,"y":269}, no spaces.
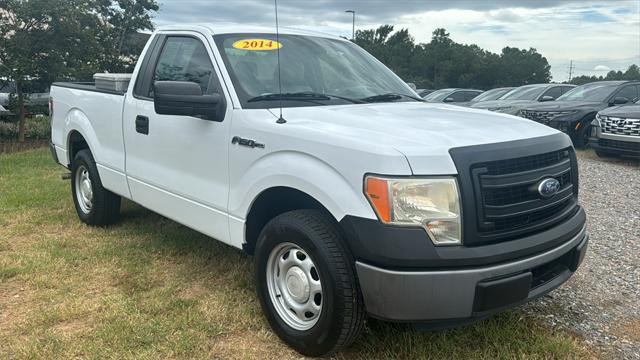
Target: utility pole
{"x":570,"y":70}
{"x":353,"y":24}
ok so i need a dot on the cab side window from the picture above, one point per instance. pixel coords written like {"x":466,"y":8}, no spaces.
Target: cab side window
{"x":469,"y":95}
{"x":630,"y":92}
{"x":554,"y":92}
{"x":185,"y":59}
{"x":566,"y":88}
{"x":458,"y":96}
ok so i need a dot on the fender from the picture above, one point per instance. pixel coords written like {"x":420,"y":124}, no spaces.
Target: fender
{"x":77,"y":120}
{"x":303,"y":172}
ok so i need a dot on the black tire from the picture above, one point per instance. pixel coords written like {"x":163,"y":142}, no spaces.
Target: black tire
{"x":343,"y":313}
{"x":105,"y":207}
{"x":581,"y":137}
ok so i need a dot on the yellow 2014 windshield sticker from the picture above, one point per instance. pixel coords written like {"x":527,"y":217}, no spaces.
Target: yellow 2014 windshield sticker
{"x":257,"y":44}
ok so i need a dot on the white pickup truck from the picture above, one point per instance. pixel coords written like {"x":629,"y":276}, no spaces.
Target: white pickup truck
{"x":360,"y":199}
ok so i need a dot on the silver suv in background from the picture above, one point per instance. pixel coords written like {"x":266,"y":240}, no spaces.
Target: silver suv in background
{"x":616,"y":131}
{"x":516,"y":99}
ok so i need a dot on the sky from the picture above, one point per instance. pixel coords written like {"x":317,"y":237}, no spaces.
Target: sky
{"x":597,"y":35}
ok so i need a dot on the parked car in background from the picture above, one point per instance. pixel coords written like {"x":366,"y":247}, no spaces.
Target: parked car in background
{"x":33,"y":100}
{"x":489,"y":95}
{"x":424,"y":92}
{"x":573,"y":112}
{"x":616,"y":131}
{"x":453,"y":95}
{"x":6,"y":88}
{"x":516,"y":99}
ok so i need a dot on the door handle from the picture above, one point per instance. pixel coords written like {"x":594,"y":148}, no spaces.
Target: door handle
{"x":142,"y":124}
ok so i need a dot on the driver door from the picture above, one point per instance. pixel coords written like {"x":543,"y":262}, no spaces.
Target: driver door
{"x":178,"y":165}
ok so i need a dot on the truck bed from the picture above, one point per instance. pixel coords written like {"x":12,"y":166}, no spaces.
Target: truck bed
{"x":96,"y":114}
{"x":87,"y":86}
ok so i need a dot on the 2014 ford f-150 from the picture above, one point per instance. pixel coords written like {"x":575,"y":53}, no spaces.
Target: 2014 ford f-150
{"x":360,"y":199}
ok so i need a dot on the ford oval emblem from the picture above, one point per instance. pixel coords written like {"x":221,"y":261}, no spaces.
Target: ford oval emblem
{"x":548,"y":187}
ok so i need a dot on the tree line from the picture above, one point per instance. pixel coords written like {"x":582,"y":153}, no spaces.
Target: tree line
{"x":443,"y":62}
{"x":632,"y":73}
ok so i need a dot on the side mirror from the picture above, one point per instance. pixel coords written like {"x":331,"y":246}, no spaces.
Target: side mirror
{"x":547,"y":98}
{"x":619,"y":100}
{"x":448,"y":100}
{"x":185,"y":98}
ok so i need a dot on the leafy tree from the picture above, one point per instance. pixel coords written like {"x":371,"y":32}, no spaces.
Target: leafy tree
{"x":523,"y":67}
{"x":42,"y":41}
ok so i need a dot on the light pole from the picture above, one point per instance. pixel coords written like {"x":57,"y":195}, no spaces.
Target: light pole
{"x":353,"y":24}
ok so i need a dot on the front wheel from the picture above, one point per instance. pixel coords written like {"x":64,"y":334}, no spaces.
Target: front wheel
{"x":306,"y":283}
{"x":581,"y":137}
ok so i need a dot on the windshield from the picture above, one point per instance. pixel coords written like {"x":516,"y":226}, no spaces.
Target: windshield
{"x":590,"y":92}
{"x":314,"y":71}
{"x":527,"y":92}
{"x":494,"y":94}
{"x":438,"y":95}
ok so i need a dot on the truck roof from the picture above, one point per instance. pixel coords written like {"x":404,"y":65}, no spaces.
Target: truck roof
{"x":236,"y":28}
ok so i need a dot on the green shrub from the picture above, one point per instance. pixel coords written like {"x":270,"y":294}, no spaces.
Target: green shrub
{"x":8,"y":130}
{"x":35,"y":128}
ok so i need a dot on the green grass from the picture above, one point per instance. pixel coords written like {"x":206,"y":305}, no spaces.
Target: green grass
{"x":151,"y":288}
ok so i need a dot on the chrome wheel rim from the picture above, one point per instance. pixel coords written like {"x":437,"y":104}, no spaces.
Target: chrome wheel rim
{"x":294,"y":286}
{"x":84,"y":190}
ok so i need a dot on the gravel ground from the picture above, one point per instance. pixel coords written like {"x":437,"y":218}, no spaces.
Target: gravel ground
{"x":602,"y":300}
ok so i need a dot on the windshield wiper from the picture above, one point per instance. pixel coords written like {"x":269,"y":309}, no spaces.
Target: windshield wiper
{"x":303,"y":95}
{"x":389,"y":97}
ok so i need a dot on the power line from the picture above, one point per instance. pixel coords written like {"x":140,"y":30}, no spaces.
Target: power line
{"x":570,"y":70}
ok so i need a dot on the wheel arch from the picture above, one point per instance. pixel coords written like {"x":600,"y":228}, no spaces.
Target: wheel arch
{"x":272,"y":202}
{"x":75,"y":143}
{"x":80,"y":134}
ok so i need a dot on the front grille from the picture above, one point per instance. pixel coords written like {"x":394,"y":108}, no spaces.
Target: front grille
{"x":518,"y":193}
{"x":622,"y":145}
{"x":620,"y":126}
{"x":508,"y":202}
{"x":543,"y":117}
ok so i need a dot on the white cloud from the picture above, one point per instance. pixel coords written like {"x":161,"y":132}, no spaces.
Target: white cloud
{"x":587,"y":32}
{"x":601,"y":68}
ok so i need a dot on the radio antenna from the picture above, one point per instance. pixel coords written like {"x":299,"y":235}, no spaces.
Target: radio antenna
{"x":280,"y":120}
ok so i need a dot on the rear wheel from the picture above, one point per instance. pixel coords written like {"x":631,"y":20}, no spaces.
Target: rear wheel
{"x":94,"y":204}
{"x":306,"y":283}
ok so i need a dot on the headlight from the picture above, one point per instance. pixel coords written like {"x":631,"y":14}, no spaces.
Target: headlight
{"x":431,"y":203}
{"x":601,"y":117}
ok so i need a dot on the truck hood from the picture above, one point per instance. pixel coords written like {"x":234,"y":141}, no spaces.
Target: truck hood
{"x":422,"y":132}
{"x":624,"y":111}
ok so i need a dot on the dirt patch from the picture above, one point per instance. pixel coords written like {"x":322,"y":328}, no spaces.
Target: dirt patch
{"x":193,"y":292}
{"x":629,"y":330}
{"x":73,"y":326}
{"x":250,"y":345}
